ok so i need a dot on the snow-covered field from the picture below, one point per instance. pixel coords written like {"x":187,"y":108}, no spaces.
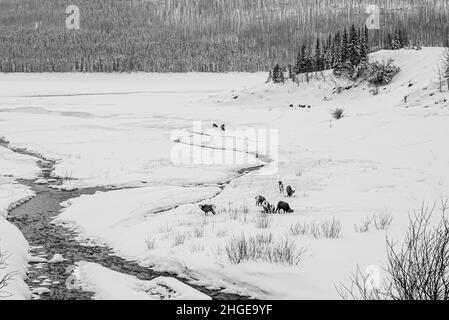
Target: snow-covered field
{"x":112,"y":285}
{"x":383,"y":158}
{"x":13,"y":246}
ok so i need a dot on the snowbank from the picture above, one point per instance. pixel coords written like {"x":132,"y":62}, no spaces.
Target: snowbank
{"x":16,"y":165}
{"x":111,"y":285}
{"x":13,"y":246}
{"x":12,"y":194}
{"x":124,"y":218}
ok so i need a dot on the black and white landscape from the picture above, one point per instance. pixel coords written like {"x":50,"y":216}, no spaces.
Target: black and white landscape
{"x":136,"y":137}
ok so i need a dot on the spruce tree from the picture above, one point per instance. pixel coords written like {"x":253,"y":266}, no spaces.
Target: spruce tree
{"x":363,"y":46}
{"x":291,"y":73}
{"x":400,"y":36}
{"x":336,"y":52}
{"x":396,"y":41}
{"x":308,"y":61}
{"x":318,"y":59}
{"x":328,"y":55}
{"x":353,"y":47}
{"x":301,"y":60}
{"x":365,"y":50}
{"x":325,"y":46}
{"x":278,"y":74}
{"x":344,"y":48}
{"x":389,"y":41}
{"x":403,"y":37}
{"x":270,"y":76}
{"x":360,"y":42}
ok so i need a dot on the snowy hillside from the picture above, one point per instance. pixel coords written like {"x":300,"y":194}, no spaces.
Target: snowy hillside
{"x":381,"y":160}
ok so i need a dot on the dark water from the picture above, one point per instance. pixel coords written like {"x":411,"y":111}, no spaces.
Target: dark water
{"x":34,"y":219}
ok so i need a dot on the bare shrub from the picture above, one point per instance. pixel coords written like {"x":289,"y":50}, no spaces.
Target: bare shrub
{"x":330,"y":229}
{"x":185,"y":222}
{"x":382,"y":221}
{"x":314,"y":230}
{"x":222,"y":233}
{"x":244,"y":208}
{"x":418,"y":269}
{"x":265,"y":238}
{"x":4,"y":280}
{"x":374,"y":91}
{"x":179,"y":239}
{"x":151,"y":243}
{"x":232,"y":212}
{"x":244,"y":213}
{"x":366,"y":224}
{"x":166,"y":228}
{"x":360,"y":288}
{"x":244,"y":219}
{"x":235,"y":212}
{"x":193,"y":248}
{"x":298,"y":229}
{"x":285,"y":252}
{"x":262,"y":220}
{"x":379,"y":221}
{"x":263,"y":248}
{"x":381,"y":73}
{"x":198,"y":231}
{"x":338,"y":113}
{"x":237,"y":250}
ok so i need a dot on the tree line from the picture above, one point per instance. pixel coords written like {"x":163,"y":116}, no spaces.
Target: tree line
{"x":345,"y":52}
{"x":195,"y":35}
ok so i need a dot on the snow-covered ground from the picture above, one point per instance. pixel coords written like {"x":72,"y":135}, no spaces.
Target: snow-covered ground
{"x":13,"y":247}
{"x":115,"y":129}
{"x":384,"y":157}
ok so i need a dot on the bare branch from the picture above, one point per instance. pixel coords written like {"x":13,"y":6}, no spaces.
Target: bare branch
{"x":416,"y":270}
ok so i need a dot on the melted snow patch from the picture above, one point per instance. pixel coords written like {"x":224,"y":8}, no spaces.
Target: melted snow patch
{"x":12,"y":194}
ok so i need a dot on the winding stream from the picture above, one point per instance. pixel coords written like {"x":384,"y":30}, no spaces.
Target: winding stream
{"x":34,"y":218}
